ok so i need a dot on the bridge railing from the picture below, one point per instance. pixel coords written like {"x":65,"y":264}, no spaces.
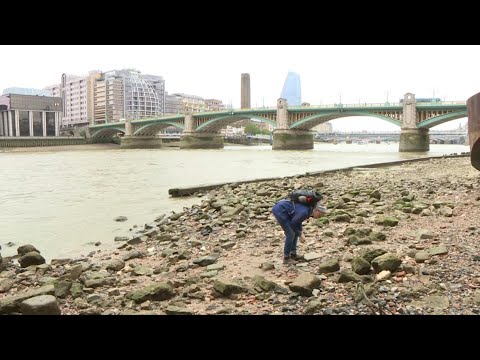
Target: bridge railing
{"x":442,"y":103}
{"x":343,"y":106}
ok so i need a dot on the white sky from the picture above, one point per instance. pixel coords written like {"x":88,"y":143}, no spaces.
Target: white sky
{"x":357,"y":73}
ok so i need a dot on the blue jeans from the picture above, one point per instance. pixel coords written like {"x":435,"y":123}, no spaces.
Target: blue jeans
{"x":291,"y":238}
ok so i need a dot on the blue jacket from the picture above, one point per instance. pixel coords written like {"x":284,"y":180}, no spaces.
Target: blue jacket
{"x":293,"y":213}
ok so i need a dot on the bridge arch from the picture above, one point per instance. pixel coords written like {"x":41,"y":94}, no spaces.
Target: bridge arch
{"x":437,"y":120}
{"x":222,"y":121}
{"x":154,"y":128}
{"x":317,"y":119}
{"x":107,"y":132}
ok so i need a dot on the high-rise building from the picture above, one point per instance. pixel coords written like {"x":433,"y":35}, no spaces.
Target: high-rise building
{"x":110,"y":96}
{"x":173,"y":104}
{"x":127,"y":94}
{"x":245,"y":92}
{"x":73,"y":91}
{"x":292,"y":89}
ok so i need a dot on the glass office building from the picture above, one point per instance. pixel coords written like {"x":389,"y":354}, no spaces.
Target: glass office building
{"x":292,"y":89}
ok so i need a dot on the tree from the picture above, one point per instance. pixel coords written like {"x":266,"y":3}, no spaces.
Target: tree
{"x":254,"y":129}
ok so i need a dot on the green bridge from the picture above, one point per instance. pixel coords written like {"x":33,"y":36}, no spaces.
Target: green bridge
{"x":292,"y":124}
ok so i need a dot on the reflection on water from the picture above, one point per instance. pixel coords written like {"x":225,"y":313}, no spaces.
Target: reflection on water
{"x":62,"y":201}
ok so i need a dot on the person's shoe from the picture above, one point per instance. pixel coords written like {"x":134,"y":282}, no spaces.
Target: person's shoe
{"x":289,"y":261}
{"x":296,"y":257}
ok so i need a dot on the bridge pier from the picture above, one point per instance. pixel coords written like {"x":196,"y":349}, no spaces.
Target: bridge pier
{"x":292,"y":140}
{"x":415,"y":140}
{"x":140,"y":142}
{"x":201,"y":141}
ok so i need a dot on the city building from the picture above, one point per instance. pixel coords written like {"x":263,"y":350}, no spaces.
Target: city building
{"x":232,"y":131}
{"x":73,"y":90}
{"x":325,"y":128}
{"x":191,"y":103}
{"x":292,"y":89}
{"x":173,"y":104}
{"x":26,"y":91}
{"x":214,"y":104}
{"x":127,"y":94}
{"x":29,"y":115}
{"x":109,"y":96}
{"x":245,"y":91}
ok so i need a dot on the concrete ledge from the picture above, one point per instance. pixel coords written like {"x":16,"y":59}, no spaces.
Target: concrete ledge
{"x":32,"y":141}
{"x":187,"y":191}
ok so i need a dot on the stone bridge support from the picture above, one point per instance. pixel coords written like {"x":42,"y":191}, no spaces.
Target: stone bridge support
{"x":198,"y":140}
{"x":289,"y":139}
{"x":201,"y":141}
{"x":140,"y":142}
{"x":412,"y":138}
{"x":131,"y":141}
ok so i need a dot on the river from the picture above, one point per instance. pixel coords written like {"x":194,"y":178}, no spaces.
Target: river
{"x":62,"y":200}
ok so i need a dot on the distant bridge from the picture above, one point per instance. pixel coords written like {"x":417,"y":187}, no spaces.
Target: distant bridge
{"x":292,"y":124}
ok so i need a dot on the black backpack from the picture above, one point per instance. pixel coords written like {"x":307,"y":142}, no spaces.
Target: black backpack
{"x":307,"y":197}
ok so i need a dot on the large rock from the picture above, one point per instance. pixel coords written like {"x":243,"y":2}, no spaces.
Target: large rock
{"x":140,"y":270}
{"x":386,"y":221}
{"x":205,"y":260}
{"x":31,"y":258}
{"x":424,"y":234}
{"x":376,"y":194}
{"x":22,"y":250}
{"x":446,"y":211}
{"x":370,"y":254}
{"x":263,"y":284}
{"x":438,"y":250}
{"x":348,"y":276}
{"x":311,"y":256}
{"x":11,"y":303}
{"x":227,"y":287}
{"x":5,"y":285}
{"x":377,"y":236}
{"x":304,"y":284}
{"x":40,"y":305}
{"x":156,"y":292}
{"x":328,"y":266}
{"x":422,"y":256}
{"x":386,"y":262}
{"x":62,"y":287}
{"x":115,"y":265}
{"x":175,"y":310}
{"x":313,"y":307}
{"x":360,"y":265}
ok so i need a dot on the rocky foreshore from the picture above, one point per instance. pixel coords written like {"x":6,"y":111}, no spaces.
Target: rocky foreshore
{"x":397,"y":240}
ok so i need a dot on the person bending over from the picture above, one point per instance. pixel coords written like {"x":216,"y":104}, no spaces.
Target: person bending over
{"x":290,"y":216}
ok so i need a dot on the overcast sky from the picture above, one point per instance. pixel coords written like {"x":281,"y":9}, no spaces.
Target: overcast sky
{"x":357,"y":73}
